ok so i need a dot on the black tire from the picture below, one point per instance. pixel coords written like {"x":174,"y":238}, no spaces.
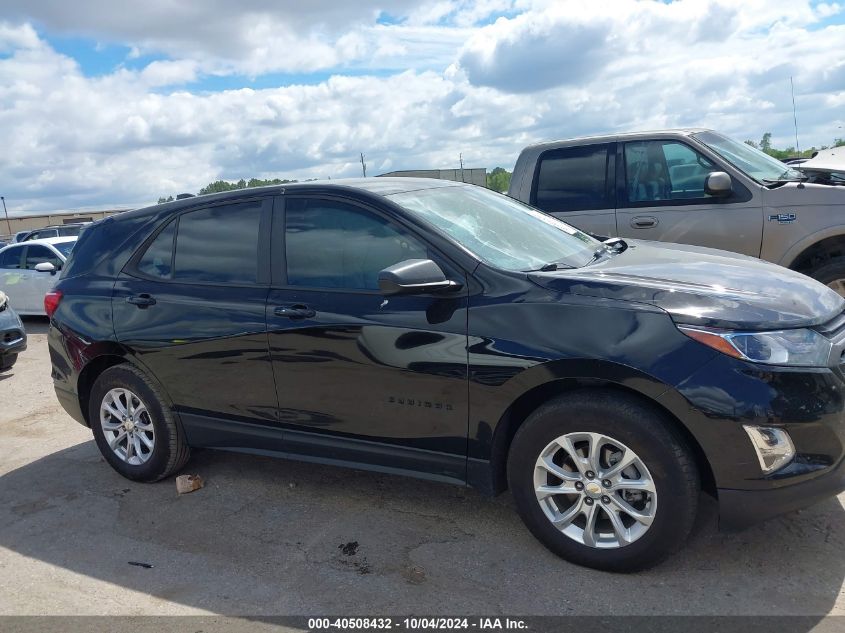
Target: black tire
{"x":7,"y":361}
{"x":642,"y":429}
{"x":830,"y":271}
{"x":170,"y":450}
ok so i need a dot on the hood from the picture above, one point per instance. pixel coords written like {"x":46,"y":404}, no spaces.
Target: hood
{"x":817,"y":193}
{"x":826,"y":167}
{"x":702,"y":286}
{"x":832,"y":159}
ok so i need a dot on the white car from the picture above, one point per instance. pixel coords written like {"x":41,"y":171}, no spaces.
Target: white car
{"x":29,"y":269}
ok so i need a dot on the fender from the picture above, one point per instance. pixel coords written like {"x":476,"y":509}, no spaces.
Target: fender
{"x":795,"y":251}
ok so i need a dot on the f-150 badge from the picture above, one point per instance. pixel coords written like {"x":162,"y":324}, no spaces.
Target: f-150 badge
{"x":783,"y":218}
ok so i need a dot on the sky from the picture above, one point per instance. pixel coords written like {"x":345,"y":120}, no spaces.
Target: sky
{"x":109,"y":104}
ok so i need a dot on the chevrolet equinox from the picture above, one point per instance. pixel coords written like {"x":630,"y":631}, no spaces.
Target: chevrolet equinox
{"x":441,"y":330}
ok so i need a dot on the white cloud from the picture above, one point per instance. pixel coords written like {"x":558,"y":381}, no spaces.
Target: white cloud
{"x":440,"y":85}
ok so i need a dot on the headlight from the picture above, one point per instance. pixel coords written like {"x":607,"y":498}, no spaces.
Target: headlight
{"x":801,"y":348}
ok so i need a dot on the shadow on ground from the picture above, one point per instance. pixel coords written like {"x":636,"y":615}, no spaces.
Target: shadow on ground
{"x":35,"y":324}
{"x":270,"y":536}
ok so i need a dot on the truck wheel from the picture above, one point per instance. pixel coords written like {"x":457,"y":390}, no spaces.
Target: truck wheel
{"x":831,"y":274}
{"x":603,"y":481}
{"x":134,"y":428}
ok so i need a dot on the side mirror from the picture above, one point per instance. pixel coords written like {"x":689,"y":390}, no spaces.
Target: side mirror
{"x":45,"y":267}
{"x":718,"y":184}
{"x":414,"y":276}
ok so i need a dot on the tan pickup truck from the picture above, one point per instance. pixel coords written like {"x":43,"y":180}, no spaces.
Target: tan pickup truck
{"x":692,"y":186}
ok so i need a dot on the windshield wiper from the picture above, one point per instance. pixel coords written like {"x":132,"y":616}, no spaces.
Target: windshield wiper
{"x":551,"y":266}
{"x":783,"y":178}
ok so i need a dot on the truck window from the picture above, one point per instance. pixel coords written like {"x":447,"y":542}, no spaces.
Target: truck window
{"x":573,"y":179}
{"x":664,"y":170}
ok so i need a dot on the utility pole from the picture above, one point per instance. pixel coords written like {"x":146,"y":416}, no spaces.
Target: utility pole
{"x":9,"y":224}
{"x":461,"y":160}
{"x":363,"y":165}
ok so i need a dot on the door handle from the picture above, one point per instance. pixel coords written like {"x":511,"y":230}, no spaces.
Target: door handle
{"x":142,"y":301}
{"x":643,"y":222}
{"x":296,"y":311}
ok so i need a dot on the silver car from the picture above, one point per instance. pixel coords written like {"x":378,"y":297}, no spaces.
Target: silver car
{"x":692,"y":186}
{"x":29,"y":269}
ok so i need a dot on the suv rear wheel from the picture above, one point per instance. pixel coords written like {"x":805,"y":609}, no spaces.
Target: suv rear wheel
{"x":133,"y":426}
{"x":603,"y":481}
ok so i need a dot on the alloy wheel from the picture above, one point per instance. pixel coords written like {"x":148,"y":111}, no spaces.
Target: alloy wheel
{"x":595,"y":490}
{"x":127,"y":426}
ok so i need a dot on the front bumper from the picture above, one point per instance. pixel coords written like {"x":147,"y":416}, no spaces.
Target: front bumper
{"x":12,"y":336}
{"x":809,"y":404}
{"x":739,"y":509}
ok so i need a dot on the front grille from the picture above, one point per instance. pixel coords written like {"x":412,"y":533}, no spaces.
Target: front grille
{"x":834,"y":328}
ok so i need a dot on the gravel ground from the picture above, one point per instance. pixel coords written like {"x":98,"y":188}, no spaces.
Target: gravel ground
{"x":276,"y":537}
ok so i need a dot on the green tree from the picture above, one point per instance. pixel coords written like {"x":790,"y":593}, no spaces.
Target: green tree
{"x":499,"y":179}
{"x":766,"y":142}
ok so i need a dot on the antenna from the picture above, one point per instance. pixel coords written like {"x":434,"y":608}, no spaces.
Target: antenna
{"x":363,"y":165}
{"x":794,"y":116}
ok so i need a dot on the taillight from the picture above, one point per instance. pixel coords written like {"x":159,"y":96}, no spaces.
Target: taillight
{"x":51,"y":302}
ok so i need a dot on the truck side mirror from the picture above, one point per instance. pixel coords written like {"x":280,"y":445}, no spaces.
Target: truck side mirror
{"x":718,"y":184}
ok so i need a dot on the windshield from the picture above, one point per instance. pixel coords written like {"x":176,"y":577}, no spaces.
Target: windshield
{"x":749,"y":160}
{"x":64,"y":247}
{"x":499,"y":230}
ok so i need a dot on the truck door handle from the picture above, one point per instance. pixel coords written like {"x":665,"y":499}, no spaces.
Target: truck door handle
{"x":643,"y":222}
{"x":142,"y":301}
{"x":295,"y":311}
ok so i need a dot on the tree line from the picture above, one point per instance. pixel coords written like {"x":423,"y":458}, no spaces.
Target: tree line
{"x":765,"y":145}
{"x":219,"y":186}
{"x":498,"y":180}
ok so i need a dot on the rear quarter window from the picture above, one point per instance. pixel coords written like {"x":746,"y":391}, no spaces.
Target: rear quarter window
{"x":573,"y":179}
{"x":96,"y":241}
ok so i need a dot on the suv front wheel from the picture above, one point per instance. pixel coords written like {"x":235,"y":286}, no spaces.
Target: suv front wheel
{"x":603,"y":481}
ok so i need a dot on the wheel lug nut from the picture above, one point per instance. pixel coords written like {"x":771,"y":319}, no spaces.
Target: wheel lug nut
{"x":605,"y":499}
{"x":590,"y":474}
{"x":607,"y":483}
{"x":588,"y":501}
{"x":579,"y":485}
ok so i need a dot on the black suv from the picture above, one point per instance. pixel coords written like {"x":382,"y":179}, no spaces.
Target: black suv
{"x":444,"y":331}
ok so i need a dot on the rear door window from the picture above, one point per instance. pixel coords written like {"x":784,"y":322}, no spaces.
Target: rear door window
{"x":573,"y":179}
{"x":157,"y":260}
{"x":219,"y":244}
